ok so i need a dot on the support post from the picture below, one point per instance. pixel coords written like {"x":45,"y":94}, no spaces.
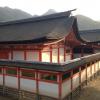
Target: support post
{"x":58,"y":55}
{"x":80,"y":77}
{"x":64,"y":53}
{"x":4,"y":72}
{"x":71,"y":84}
{"x":37,"y":86}
{"x":86,"y":74}
{"x":91,"y":70}
{"x":18,"y":74}
{"x":72,"y":55}
{"x":40,"y":55}
{"x":25,"y":55}
{"x":60,"y":85}
{"x":50,"y":54}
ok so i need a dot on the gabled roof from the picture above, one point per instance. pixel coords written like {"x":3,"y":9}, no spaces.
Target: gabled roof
{"x":92,"y":36}
{"x":54,"y":26}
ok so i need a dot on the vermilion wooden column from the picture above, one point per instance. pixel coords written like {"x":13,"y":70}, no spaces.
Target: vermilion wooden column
{"x":82,"y":52}
{"x":71,"y":83}
{"x":72,"y":55}
{"x":50,"y":54}
{"x":58,"y":56}
{"x":11,"y":54}
{"x":60,"y":85}
{"x":24,"y":54}
{"x":94,"y":68}
{"x":91,"y":69}
{"x":37,"y":84}
{"x":18,"y":76}
{"x":64,"y":54}
{"x":86,"y":73}
{"x":40,"y":55}
{"x":4,"y":80}
{"x":80,"y":76}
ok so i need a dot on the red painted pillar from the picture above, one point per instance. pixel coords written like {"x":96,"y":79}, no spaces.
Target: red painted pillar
{"x":50,"y":54}
{"x":40,"y":55}
{"x":25,"y":55}
{"x":71,"y":83}
{"x":11,"y":54}
{"x":80,"y":77}
{"x":58,"y":56}
{"x":82,"y":52}
{"x":60,"y":85}
{"x":72,"y":55}
{"x":37,"y":85}
{"x":18,"y":76}
{"x":91,"y":69}
{"x":86,"y":74}
{"x":64,"y":54}
{"x":4,"y":72}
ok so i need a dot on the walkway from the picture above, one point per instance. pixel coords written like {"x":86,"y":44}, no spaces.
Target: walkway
{"x":4,"y":98}
{"x":91,"y":91}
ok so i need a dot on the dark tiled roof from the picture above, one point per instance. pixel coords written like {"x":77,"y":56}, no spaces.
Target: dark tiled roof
{"x":90,"y":35}
{"x":54,"y":26}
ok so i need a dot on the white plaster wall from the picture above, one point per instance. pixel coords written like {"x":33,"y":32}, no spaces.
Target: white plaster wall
{"x":45,"y":56}
{"x":88,"y":72}
{"x":76,"y":81}
{"x":68,"y":57}
{"x":32,"y":56}
{"x":29,"y":56}
{"x":36,"y":56}
{"x":18,"y":55}
{"x":48,"y":89}
{"x":1,"y":79}
{"x":28,"y":85}
{"x":61,"y":55}
{"x":83,"y":75}
{"x":93,"y":69}
{"x":54,"y":55}
{"x":96,"y":66}
{"x":99,"y":64}
{"x":11,"y":81}
{"x":66,"y":88}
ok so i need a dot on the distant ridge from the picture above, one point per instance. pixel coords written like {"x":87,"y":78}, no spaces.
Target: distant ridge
{"x":8,"y":14}
{"x":50,"y":11}
{"x":84,"y":23}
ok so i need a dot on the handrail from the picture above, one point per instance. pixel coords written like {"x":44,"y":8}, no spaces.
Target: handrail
{"x":51,"y":66}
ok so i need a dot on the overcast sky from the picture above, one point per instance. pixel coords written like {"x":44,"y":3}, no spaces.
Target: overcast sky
{"x":90,"y":8}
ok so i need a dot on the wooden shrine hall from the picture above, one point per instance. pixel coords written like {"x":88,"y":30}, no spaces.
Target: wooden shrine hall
{"x":36,"y":56}
{"x":52,"y":38}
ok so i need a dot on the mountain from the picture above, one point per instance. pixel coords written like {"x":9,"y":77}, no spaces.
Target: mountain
{"x":8,"y":14}
{"x":86,"y":23}
{"x":50,"y":11}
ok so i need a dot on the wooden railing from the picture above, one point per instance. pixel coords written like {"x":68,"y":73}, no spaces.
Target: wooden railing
{"x":40,"y":81}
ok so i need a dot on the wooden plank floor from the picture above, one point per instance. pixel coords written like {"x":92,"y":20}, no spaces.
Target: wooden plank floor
{"x":91,"y":91}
